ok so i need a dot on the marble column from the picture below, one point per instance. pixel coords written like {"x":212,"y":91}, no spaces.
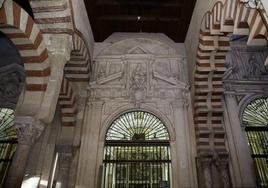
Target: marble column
{"x":28,"y":130}
{"x":87,"y":168}
{"x":241,"y":160}
{"x":206,"y":163}
{"x":183,"y":141}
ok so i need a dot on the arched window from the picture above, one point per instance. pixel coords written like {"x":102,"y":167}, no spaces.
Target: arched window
{"x":137,"y":152}
{"x":8,"y":141}
{"x":255,"y":120}
{"x":12,"y":79}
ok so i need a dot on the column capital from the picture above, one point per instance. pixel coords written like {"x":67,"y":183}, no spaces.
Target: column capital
{"x":223,"y":165}
{"x":95,"y":104}
{"x":28,"y":129}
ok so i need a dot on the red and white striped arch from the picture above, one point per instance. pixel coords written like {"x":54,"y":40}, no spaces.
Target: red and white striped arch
{"x":226,"y":17}
{"x":19,"y":27}
{"x":67,"y":103}
{"x":79,"y":66}
{"x":53,"y":17}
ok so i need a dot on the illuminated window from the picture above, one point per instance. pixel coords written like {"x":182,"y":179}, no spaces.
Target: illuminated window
{"x":8,"y":141}
{"x":255,"y":120}
{"x":137,"y":125}
{"x":137,"y":152}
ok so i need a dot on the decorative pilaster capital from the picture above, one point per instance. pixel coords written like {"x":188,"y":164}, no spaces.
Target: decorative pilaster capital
{"x":206,"y":163}
{"x":223,"y":164}
{"x":28,"y":129}
{"x":95,"y":104}
{"x":180,"y":103}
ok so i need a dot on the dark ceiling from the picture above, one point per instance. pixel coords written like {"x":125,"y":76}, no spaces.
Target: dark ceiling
{"x":171,"y":17}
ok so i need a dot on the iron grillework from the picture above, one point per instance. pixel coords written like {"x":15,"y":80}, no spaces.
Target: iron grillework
{"x":137,"y":153}
{"x":137,"y":125}
{"x":8,"y":141}
{"x":255,"y":120}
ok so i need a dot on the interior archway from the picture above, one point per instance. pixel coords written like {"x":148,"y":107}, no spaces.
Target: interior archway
{"x":137,"y":152}
{"x":12,"y":80}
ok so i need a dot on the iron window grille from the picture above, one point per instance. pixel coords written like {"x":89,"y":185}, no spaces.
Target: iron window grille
{"x":8,"y":141}
{"x":255,"y":120}
{"x":137,"y":152}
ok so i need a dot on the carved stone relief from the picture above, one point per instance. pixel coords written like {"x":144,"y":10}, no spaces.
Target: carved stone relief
{"x":12,"y":79}
{"x":246,"y":70}
{"x":247,"y":65}
{"x":138,"y":83}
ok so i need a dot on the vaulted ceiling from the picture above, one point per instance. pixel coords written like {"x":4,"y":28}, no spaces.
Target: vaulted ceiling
{"x":171,"y":17}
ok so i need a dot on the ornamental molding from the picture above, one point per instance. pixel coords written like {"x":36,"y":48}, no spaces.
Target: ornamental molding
{"x":261,"y":5}
{"x":138,"y":79}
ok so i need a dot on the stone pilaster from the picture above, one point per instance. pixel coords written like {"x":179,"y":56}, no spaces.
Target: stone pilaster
{"x":239,"y":150}
{"x":28,"y":131}
{"x":87,"y":169}
{"x":182,"y":143}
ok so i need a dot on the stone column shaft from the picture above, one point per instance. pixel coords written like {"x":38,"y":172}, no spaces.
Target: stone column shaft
{"x":182,"y":144}
{"x":87,"y":168}
{"x":28,"y":130}
{"x":239,"y":150}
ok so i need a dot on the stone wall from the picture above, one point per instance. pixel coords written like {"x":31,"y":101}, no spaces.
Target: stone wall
{"x":138,"y":72}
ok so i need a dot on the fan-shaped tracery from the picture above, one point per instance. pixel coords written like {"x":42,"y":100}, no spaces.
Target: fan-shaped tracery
{"x":8,"y":141}
{"x":256,"y":113}
{"x":7,"y":131}
{"x":255,"y":120}
{"x":137,"y":125}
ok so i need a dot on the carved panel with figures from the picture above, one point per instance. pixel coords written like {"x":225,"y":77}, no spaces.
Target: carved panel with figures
{"x":138,"y":71}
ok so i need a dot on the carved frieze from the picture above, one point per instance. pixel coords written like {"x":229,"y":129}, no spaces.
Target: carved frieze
{"x":138,"y":77}
{"x":138,"y":83}
{"x":246,"y":69}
